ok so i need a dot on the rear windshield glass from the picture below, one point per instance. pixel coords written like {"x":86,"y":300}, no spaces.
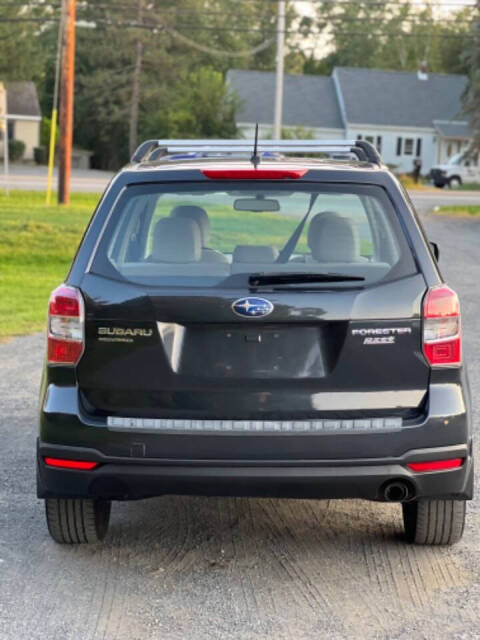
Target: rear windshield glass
{"x":218,"y":234}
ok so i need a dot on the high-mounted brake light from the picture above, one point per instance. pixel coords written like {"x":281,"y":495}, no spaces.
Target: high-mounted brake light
{"x":436,"y":465}
{"x":85,"y":465}
{"x":442,"y":339}
{"x":254,"y":174}
{"x":65,"y":336}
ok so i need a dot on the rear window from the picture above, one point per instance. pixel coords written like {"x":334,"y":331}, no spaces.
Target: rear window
{"x":218,"y":234}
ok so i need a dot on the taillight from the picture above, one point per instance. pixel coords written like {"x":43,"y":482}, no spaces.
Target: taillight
{"x":436,"y":465}
{"x":65,"y":326}
{"x":254,"y":174}
{"x":442,"y":339}
{"x":84,"y":465}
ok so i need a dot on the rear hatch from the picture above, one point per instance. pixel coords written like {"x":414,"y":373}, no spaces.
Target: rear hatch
{"x":216,"y":301}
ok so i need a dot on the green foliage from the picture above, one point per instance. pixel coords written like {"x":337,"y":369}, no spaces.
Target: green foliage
{"x":202,"y":108}
{"x":462,"y":211}
{"x":472,"y":95}
{"x":40,"y":155}
{"x":364,"y":34}
{"x":298,"y":133}
{"x":182,"y":90}
{"x":37,"y":244}
{"x":22,"y":51}
{"x":16,"y":149}
{"x":45,"y":132}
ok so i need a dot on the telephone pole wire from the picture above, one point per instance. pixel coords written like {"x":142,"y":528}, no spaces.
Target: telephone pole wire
{"x":277,"y":121}
{"x":66,"y":102}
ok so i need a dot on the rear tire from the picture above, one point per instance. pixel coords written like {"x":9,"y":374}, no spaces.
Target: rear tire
{"x":434,"y":522}
{"x":77,"y":520}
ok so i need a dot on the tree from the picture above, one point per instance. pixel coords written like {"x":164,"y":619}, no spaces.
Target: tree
{"x":22,"y":50}
{"x":388,"y":36}
{"x":472,"y":94}
{"x":203,"y":109}
{"x":156,"y":69}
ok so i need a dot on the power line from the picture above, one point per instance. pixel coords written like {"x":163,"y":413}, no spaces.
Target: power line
{"x":196,"y":27}
{"x":175,"y":10}
{"x":330,"y":18}
{"x":378,"y":3}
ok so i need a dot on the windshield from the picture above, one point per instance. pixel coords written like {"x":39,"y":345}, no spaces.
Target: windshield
{"x":218,"y":234}
{"x":456,"y":159}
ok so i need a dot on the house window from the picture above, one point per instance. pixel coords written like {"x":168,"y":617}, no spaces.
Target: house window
{"x":408,"y":150}
{"x":379,"y":144}
{"x":399,"y":146}
{"x":449,"y":150}
{"x":419,"y":147}
{"x":359,"y":137}
{"x":11,"y":129}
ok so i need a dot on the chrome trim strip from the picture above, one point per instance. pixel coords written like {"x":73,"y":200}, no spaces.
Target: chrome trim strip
{"x":115,"y":423}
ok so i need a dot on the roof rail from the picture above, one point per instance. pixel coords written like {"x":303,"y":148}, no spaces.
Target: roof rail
{"x":153,"y":149}
{"x":370,"y":151}
{"x":144,"y":150}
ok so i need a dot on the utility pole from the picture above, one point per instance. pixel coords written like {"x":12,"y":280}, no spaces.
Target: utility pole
{"x":277,"y":121}
{"x":132,"y":138}
{"x":66,"y":103}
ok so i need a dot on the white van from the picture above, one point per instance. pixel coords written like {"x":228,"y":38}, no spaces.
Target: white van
{"x":460,"y":169}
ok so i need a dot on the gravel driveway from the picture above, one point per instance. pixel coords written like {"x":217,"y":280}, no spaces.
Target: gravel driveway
{"x":206,"y":568}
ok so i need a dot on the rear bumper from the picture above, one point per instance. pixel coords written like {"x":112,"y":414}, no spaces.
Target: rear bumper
{"x":129,"y":479}
{"x":325,"y":465}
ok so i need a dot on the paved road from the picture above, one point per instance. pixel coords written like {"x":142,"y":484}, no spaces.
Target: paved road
{"x":425,"y":201}
{"x":180,"y":568}
{"x":33,"y":177}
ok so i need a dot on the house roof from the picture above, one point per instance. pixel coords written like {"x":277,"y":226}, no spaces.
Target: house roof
{"x":22,"y":99}
{"x":453,"y":129}
{"x":309,"y":101}
{"x":399,"y":98}
{"x":367,"y":96}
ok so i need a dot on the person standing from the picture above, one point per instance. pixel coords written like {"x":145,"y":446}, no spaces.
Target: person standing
{"x":417,"y":168}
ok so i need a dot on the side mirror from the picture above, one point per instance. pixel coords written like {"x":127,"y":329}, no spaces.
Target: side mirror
{"x":435,"y":250}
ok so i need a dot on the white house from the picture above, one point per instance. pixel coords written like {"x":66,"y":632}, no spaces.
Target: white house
{"x":23,"y":115}
{"x":404,"y":114}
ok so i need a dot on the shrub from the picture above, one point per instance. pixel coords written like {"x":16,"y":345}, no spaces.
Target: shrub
{"x":16,"y":149}
{"x":45,"y":132}
{"x":40,"y":155}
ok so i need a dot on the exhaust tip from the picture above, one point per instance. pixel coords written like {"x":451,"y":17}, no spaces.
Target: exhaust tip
{"x":397,"y":491}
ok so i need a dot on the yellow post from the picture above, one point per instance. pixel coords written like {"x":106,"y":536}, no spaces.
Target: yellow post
{"x":51,"y":155}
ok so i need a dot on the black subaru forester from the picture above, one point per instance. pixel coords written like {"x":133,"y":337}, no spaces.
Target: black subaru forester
{"x":265,"y":326}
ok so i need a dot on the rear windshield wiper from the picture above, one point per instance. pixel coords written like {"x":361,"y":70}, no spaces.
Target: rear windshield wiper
{"x":260,"y":279}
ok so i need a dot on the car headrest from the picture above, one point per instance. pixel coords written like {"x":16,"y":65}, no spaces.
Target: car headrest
{"x":176,"y":240}
{"x":254,"y":253}
{"x":333,"y":238}
{"x":194,"y":213}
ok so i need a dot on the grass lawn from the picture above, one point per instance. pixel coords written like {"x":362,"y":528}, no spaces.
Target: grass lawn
{"x":464,"y":211}
{"x":470,"y":186}
{"x":37,"y":244}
